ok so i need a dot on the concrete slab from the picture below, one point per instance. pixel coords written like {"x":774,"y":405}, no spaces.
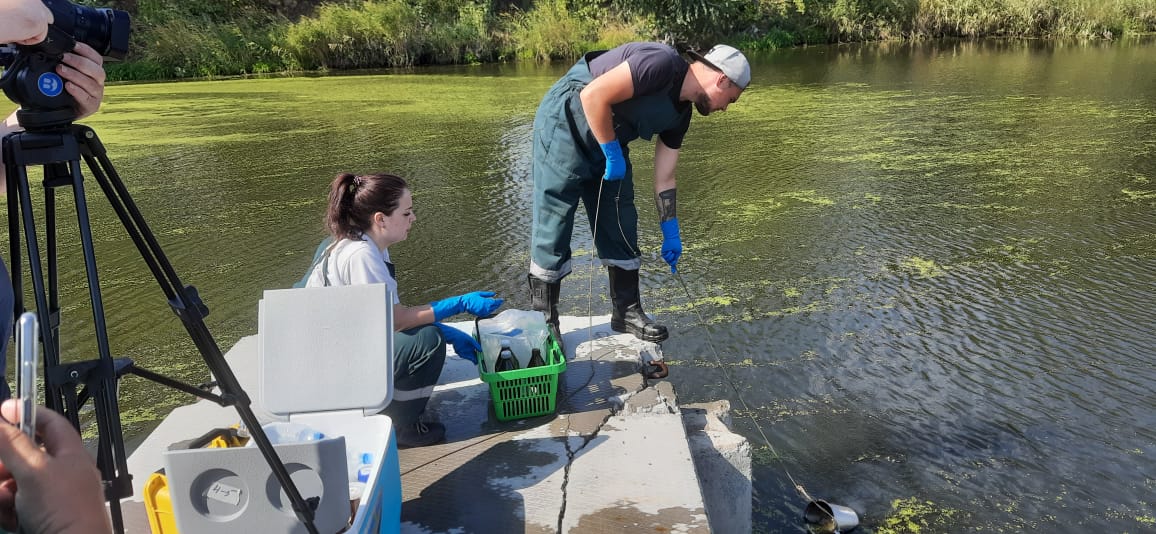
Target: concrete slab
{"x":722,"y":460}
{"x":615,"y":458}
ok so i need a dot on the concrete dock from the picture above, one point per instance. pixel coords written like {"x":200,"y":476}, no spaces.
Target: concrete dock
{"x":620,"y":454}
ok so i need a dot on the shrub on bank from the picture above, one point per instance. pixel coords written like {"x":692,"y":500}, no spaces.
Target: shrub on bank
{"x":779,"y":23}
{"x":199,"y":38}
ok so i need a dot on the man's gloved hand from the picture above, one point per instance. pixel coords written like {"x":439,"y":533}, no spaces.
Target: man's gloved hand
{"x":464,"y":344}
{"x":671,"y":243}
{"x":480,"y":303}
{"x":615,"y":161}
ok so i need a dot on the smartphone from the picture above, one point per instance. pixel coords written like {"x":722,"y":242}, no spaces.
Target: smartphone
{"x":27,"y":343}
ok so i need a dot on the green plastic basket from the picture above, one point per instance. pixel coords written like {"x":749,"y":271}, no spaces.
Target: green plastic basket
{"x":527,"y":392}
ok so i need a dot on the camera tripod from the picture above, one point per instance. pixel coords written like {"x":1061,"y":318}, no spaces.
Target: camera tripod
{"x":59,"y":147}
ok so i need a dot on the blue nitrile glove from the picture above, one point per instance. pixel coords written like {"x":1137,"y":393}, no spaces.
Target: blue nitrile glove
{"x":615,"y":162}
{"x":480,"y":303}
{"x":671,"y":243}
{"x":464,"y":344}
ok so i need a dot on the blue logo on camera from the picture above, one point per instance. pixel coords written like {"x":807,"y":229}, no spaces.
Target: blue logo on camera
{"x":50,"y":84}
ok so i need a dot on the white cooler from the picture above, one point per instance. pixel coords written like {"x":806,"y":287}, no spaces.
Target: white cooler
{"x":325,"y":360}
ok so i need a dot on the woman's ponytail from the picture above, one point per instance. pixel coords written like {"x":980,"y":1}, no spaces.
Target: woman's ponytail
{"x":338,"y":216}
{"x":353,"y":199}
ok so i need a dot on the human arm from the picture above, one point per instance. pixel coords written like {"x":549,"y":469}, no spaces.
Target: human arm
{"x":406,"y":317}
{"x":479,"y":303}
{"x":24,"y":21}
{"x":8,"y":126}
{"x":614,"y":86}
{"x":55,"y":490}
{"x":665,"y":160}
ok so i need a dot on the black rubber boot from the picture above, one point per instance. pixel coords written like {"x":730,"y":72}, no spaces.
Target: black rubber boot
{"x":544,"y":298}
{"x":628,"y":315}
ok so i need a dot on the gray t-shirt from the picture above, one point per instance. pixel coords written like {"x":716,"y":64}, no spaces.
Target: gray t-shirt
{"x":654,"y":68}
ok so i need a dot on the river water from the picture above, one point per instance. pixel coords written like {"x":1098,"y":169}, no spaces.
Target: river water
{"x":924,"y":272}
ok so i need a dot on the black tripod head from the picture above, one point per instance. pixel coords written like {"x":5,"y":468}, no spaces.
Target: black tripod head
{"x":30,"y":78}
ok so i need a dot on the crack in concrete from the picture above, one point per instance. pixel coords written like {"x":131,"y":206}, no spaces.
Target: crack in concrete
{"x":571,"y":453}
{"x":613,"y":410}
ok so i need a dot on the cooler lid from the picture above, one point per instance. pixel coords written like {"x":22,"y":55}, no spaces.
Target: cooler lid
{"x":323,"y":349}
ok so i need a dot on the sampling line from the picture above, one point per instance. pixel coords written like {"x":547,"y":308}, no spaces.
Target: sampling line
{"x":709,"y":337}
{"x":710,"y":341}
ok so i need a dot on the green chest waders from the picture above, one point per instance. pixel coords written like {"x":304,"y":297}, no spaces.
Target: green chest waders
{"x":568,"y":165}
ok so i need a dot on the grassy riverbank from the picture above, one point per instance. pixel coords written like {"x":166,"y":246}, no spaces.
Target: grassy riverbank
{"x":205,"y":38}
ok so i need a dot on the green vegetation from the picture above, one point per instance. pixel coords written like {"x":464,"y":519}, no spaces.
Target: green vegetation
{"x":207,"y":38}
{"x":921,"y":268}
{"x":913,"y":516}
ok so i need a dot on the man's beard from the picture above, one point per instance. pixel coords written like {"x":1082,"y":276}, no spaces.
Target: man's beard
{"x":702,"y":105}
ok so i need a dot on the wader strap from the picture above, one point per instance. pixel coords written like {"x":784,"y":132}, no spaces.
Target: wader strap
{"x":325,"y":265}
{"x":325,"y":262}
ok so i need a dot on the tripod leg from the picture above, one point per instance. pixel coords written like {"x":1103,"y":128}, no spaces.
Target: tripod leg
{"x":110,"y":455}
{"x":55,"y":175}
{"x":52,"y":148}
{"x":50,"y":242}
{"x":52,"y":394}
{"x":188,"y":307}
{"x":11,"y":172}
{"x":61,"y":159}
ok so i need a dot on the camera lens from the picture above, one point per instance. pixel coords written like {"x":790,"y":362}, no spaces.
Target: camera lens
{"x":105,"y":30}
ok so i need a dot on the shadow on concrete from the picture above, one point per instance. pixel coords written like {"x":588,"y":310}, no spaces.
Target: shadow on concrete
{"x":606,"y":370}
{"x":512,"y":485}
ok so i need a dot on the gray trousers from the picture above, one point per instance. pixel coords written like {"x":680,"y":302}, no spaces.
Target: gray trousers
{"x":419,"y":354}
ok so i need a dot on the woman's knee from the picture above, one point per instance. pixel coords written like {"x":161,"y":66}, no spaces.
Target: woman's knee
{"x":422,"y":347}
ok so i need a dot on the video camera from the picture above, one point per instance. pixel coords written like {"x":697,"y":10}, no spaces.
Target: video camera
{"x":30,"y":77}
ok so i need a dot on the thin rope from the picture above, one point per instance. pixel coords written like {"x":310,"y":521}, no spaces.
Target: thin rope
{"x":730,"y":381}
{"x":702,"y":322}
{"x":590,"y":306}
{"x":590,"y":283}
{"x":590,"y":279}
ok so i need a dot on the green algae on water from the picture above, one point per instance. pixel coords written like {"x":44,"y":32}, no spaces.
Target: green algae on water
{"x":1139,"y":195}
{"x":915,"y":516}
{"x":922,"y":268}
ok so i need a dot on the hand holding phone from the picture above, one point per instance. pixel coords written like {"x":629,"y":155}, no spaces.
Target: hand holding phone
{"x":28,"y":347}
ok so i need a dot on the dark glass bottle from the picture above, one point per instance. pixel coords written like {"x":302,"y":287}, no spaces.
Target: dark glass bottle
{"x":536,"y":359}
{"x":506,"y":360}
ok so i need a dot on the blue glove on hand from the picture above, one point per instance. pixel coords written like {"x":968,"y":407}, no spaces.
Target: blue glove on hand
{"x":480,"y":303}
{"x":464,"y":344}
{"x":671,"y":243}
{"x":615,"y":162}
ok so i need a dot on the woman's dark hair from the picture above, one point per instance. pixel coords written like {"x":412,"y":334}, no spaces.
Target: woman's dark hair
{"x":353,"y":199}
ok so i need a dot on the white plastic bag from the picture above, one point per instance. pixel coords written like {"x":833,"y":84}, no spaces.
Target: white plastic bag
{"x":524,"y":329}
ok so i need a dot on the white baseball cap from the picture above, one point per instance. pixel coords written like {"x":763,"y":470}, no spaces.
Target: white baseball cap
{"x":727,"y":60}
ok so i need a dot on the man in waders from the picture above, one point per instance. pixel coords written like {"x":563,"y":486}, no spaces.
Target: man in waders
{"x":581,"y":131}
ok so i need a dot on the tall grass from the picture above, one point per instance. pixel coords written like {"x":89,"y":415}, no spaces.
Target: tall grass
{"x":789,"y":22}
{"x":1035,"y":18}
{"x":551,"y":31}
{"x":184,"y":38}
{"x":184,"y":47}
{"x":373,"y":34}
